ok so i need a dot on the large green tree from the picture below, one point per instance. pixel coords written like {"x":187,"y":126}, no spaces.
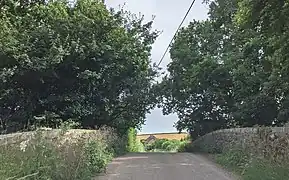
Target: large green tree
{"x":232,"y":69}
{"x":199,"y":84}
{"x":75,"y":61}
{"x":269,"y":19}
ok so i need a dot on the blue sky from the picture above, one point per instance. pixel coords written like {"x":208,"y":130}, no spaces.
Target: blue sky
{"x":168,"y":15}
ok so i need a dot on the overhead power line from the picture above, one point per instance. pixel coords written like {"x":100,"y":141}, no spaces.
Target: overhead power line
{"x":176,"y":32}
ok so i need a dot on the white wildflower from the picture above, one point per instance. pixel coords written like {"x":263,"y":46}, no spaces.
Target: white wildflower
{"x":23,"y":145}
{"x":45,"y":129}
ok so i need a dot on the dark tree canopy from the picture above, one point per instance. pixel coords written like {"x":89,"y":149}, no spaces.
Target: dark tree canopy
{"x":61,"y":61}
{"x":232,"y":69}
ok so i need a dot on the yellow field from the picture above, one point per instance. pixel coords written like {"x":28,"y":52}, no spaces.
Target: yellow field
{"x":169,"y":136}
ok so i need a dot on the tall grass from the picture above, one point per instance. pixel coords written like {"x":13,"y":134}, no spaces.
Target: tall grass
{"x":59,"y":155}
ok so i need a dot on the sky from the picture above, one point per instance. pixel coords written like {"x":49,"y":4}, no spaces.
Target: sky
{"x":168,"y":15}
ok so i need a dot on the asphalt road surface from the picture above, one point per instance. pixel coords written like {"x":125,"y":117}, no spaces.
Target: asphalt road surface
{"x":164,"y":166}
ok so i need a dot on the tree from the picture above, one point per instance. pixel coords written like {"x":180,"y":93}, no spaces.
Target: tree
{"x":270,"y":20}
{"x":199,"y":84}
{"x":231,"y":69}
{"x":80,"y":62}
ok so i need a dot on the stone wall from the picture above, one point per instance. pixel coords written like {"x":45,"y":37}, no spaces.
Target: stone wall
{"x":15,"y":138}
{"x":217,"y":141}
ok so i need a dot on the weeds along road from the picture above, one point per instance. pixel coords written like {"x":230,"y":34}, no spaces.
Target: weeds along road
{"x":164,"y":166}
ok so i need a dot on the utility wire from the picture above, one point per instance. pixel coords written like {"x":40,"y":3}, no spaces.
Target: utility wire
{"x":176,"y":32}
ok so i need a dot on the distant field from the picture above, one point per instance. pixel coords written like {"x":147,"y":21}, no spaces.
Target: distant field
{"x":169,"y":136}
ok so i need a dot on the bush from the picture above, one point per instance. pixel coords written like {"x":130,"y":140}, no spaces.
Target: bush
{"x":131,"y":140}
{"x":139,"y":146}
{"x":185,"y":147}
{"x":160,"y":144}
{"x":164,"y":145}
{"x":97,"y":156}
{"x":74,"y":154}
{"x":133,"y":144}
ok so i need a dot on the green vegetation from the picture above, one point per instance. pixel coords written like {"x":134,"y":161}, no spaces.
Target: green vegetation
{"x":165,"y":145}
{"x":65,"y":156}
{"x":252,"y":168}
{"x":79,"y":62}
{"x":263,"y":155}
{"x":230,"y":70}
{"x":185,"y":147}
{"x":70,"y":65}
{"x":82,"y":63}
{"x":77,"y":155}
{"x":134,"y":145}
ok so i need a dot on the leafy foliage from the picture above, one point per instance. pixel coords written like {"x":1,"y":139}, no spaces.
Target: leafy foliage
{"x":165,"y":145}
{"x":230,"y":70}
{"x":79,"y":62}
{"x":133,"y":144}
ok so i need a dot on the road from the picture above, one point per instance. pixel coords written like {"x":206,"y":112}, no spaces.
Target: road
{"x":164,"y":166}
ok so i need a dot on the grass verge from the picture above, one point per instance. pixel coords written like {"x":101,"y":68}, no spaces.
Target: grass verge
{"x":252,"y":168}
